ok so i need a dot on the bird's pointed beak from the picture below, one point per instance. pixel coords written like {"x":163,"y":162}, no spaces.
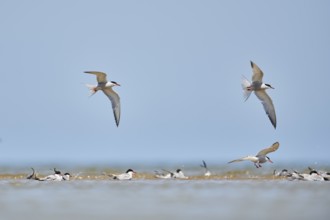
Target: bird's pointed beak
{"x":270,"y":161}
{"x":118,"y":84}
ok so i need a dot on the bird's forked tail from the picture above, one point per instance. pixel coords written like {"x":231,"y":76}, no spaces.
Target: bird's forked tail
{"x":92,"y":88}
{"x":245,"y":84}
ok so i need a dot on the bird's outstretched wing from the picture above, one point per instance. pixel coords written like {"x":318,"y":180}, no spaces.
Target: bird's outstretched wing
{"x":268,"y":105}
{"x":115,"y":101}
{"x":100,"y":76}
{"x":204,"y":165}
{"x":268,"y":150}
{"x":257,"y":73}
{"x":250,"y":158}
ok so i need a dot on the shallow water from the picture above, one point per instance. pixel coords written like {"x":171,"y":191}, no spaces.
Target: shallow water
{"x":221,"y":197}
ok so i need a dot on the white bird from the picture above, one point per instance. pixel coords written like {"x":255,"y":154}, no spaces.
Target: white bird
{"x":323,"y":173}
{"x":295,"y":176}
{"x":106,"y":87}
{"x":283,"y":172}
{"x":57,"y":176}
{"x":124,"y":176}
{"x":259,"y":90}
{"x":167,"y":175}
{"x":207,"y":171}
{"x":179,"y":174}
{"x":311,"y":176}
{"x":261,"y":157}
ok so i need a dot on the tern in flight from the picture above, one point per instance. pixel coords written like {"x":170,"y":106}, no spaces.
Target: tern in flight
{"x":261,"y":157}
{"x":207,"y":171}
{"x":106,"y":86}
{"x":259,"y":89}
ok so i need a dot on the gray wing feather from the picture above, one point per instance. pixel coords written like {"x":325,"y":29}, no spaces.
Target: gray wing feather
{"x":268,"y":150}
{"x":100,"y":76}
{"x":251,"y":158}
{"x":115,"y":101}
{"x":237,"y":160}
{"x":268,"y":105}
{"x":257,"y":73}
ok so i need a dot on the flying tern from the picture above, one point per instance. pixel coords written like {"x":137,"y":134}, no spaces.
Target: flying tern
{"x":106,"y":87}
{"x":207,"y":171}
{"x":261,"y":157}
{"x":259,"y":89}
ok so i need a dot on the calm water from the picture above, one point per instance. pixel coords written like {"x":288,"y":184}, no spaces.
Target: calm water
{"x":147,"y":198}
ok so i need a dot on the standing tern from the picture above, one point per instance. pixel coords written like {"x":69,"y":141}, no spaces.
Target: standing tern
{"x":259,"y":90}
{"x":261,"y":157}
{"x":106,"y":87}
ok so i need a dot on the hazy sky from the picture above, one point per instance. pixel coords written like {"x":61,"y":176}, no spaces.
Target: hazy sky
{"x":180,"y":65}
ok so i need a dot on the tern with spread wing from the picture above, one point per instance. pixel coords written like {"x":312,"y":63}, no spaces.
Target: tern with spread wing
{"x":207,"y":171}
{"x":261,"y":157}
{"x":259,"y":89}
{"x":106,"y":87}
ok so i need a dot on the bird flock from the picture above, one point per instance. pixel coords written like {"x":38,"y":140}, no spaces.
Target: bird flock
{"x":310,"y":175}
{"x":256,"y":85}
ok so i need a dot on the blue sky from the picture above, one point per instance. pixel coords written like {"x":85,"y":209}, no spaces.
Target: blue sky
{"x":179,"y":64}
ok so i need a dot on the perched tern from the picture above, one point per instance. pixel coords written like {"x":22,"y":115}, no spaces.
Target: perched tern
{"x":57,"y":176}
{"x":167,"y":175}
{"x":283,"y":172}
{"x":179,"y":174}
{"x":261,"y":157}
{"x":295,"y":176}
{"x":259,"y":89}
{"x":323,"y":173}
{"x":311,"y":176}
{"x":207,"y":171}
{"x":106,"y":87}
{"x":124,"y":176}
